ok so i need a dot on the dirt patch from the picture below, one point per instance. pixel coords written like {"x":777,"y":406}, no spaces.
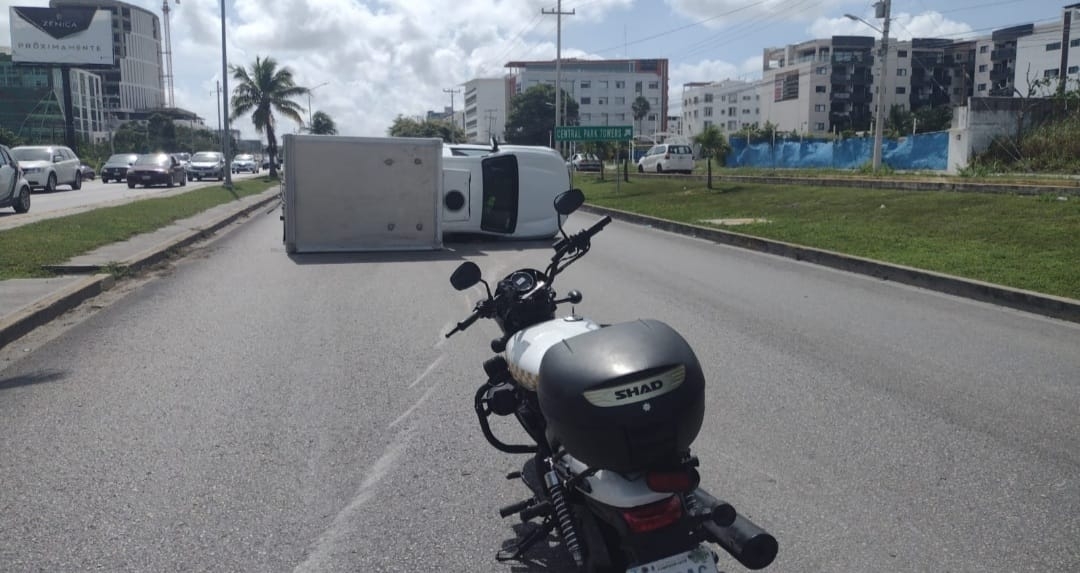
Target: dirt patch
{"x":734,"y":222}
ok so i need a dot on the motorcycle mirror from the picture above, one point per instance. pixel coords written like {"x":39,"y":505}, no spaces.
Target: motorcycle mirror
{"x":465,"y":276}
{"x":568,"y":201}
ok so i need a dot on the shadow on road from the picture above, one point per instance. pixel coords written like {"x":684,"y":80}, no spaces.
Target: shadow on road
{"x":31,"y":379}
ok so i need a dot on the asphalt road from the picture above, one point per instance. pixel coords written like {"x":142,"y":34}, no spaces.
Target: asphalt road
{"x":92,"y":195}
{"x":249,"y":411}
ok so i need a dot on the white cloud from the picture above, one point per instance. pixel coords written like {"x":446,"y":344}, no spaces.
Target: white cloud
{"x":718,"y":13}
{"x":903,"y":26}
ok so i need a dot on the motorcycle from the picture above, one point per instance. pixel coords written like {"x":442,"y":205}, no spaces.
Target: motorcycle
{"x":611,"y":410}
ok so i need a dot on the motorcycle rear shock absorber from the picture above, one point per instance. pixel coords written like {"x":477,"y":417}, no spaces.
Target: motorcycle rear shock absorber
{"x":563,"y":517}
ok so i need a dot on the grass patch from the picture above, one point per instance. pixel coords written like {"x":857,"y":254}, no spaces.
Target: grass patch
{"x":1027,"y":242}
{"x":54,"y":241}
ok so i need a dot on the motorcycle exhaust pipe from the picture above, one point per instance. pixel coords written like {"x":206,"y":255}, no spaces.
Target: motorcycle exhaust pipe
{"x":744,"y":540}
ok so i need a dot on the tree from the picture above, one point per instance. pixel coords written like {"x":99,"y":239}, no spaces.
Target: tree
{"x":322,"y":124}
{"x":713,"y":144}
{"x":448,"y":131}
{"x":532,"y":115}
{"x":933,"y":118}
{"x":264,"y":89}
{"x":9,"y":138}
{"x":641,"y":108}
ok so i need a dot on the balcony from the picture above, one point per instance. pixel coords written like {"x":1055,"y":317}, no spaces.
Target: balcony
{"x":1003,"y":54}
{"x":1001,"y":75}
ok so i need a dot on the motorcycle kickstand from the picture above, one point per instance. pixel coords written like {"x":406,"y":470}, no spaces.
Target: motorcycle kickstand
{"x":519,"y":548}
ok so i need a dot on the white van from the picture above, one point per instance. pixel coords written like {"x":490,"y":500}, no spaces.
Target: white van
{"x":667,"y":157}
{"x":502,"y":190}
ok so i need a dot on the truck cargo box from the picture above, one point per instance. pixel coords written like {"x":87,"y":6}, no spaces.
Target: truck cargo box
{"x":362,"y":193}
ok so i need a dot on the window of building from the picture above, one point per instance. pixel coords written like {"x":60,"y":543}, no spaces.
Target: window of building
{"x":652,"y":117}
{"x":585,"y":100}
{"x":982,"y":67}
{"x":1074,"y":69}
{"x":620,"y":101}
{"x":819,"y":107}
{"x":695,"y":114}
{"x":619,"y":85}
{"x":746,"y":98}
{"x":620,"y":117}
{"x":901,"y":53}
{"x":602,"y":84}
{"x":586,"y":84}
{"x":757,"y":110}
{"x":585,"y":118}
{"x":901,"y":90}
{"x":746,"y":110}
{"x":819,"y":126}
{"x":601,"y":101}
{"x":654,"y":101}
{"x":820,"y":89}
{"x":723,"y":111}
{"x":732,"y":125}
{"x":984,"y":49}
{"x":1074,"y":43}
{"x":901,"y":72}
{"x":637,"y":87}
{"x":708,"y":112}
{"x":981,"y":87}
{"x":723,"y":98}
{"x":708,"y":123}
{"x":1051,"y":73}
{"x":654,"y":85}
{"x":956,"y":91}
{"x":822,"y":70}
{"x":1052,"y":46}
{"x":603,"y":119}
{"x":732,"y":110}
{"x":708,"y":98}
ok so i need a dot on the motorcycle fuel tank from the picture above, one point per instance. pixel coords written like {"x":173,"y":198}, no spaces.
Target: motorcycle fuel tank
{"x":526,"y":348}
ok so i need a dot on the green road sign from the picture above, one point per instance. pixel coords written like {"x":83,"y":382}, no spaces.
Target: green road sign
{"x":594,"y":132}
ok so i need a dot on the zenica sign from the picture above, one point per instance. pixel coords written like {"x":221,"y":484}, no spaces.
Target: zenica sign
{"x":58,"y":23}
{"x":61,"y":35}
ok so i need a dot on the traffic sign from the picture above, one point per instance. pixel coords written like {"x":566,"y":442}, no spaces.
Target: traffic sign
{"x":594,"y":132}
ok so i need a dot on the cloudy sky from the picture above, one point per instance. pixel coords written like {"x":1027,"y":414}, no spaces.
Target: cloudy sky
{"x":379,"y":59}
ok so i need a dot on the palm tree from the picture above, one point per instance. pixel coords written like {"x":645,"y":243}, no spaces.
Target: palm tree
{"x":712,"y":144}
{"x":262,"y":90}
{"x":640,"y":107}
{"x":322,"y":124}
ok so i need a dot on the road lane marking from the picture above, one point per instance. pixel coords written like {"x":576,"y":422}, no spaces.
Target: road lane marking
{"x":428,"y":370}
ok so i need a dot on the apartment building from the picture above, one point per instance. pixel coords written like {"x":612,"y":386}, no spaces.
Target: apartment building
{"x":605,"y":90}
{"x":730,"y":105}
{"x":486,"y":108}
{"x":801,"y":82}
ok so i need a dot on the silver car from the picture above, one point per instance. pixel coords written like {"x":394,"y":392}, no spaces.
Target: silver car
{"x":14,"y":190}
{"x":206,"y":165}
{"x":47,"y":166}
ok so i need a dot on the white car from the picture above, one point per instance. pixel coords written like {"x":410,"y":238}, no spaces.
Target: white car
{"x":667,"y":157}
{"x":47,"y":166}
{"x":14,"y":190}
{"x":244,"y":162}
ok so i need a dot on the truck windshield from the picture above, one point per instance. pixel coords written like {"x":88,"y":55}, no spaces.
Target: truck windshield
{"x":500,"y":210}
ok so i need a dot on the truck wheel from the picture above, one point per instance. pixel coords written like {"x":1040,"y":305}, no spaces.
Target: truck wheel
{"x":23,"y":204}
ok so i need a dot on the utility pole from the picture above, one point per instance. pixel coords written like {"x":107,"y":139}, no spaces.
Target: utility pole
{"x":558,"y":13}
{"x":883,"y":9}
{"x":225,"y":102}
{"x":217,"y":93}
{"x":453,"y":91}
{"x":489,"y":114}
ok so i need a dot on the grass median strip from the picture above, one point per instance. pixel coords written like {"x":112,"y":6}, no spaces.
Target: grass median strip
{"x":1026,"y":242}
{"x":28,"y":248}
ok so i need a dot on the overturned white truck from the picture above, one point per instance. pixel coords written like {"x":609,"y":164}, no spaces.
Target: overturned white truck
{"x":392,"y":193}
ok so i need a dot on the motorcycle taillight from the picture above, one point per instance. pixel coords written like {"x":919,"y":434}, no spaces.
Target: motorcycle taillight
{"x":653,"y":516}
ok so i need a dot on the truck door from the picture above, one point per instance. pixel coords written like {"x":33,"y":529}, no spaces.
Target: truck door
{"x":500,"y":210}
{"x":456,"y":194}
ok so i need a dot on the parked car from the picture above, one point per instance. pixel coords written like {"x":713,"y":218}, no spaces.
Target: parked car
{"x":87,"y":172}
{"x":670,"y":157}
{"x":585,"y":162}
{"x":116,"y":167}
{"x":47,"y":166}
{"x":14,"y":189}
{"x":266,"y":162}
{"x":156,"y":169}
{"x":244,"y":162}
{"x":207,"y":165}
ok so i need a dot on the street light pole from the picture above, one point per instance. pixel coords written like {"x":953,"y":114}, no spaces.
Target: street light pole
{"x":225,"y":101}
{"x":309,"y":103}
{"x":884,"y":7}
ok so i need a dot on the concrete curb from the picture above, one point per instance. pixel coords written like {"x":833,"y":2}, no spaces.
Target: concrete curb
{"x":1028,"y":301}
{"x":882,"y":183}
{"x":162,"y":251}
{"x":44,"y":310}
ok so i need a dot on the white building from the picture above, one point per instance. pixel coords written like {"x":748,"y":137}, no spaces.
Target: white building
{"x":486,"y":108}
{"x":605,"y":89}
{"x":87,"y":106}
{"x":135,"y":81}
{"x":730,"y":105}
{"x":1049,"y":54}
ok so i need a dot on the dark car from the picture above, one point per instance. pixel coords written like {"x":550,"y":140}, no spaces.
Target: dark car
{"x":87,"y":172}
{"x":266,"y":162}
{"x":156,"y":169}
{"x":116,"y":167}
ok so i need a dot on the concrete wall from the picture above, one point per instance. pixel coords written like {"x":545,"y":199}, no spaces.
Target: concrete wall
{"x":975,"y":126}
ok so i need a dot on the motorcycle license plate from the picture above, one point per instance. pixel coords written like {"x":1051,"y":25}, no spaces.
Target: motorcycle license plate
{"x":700,"y":560}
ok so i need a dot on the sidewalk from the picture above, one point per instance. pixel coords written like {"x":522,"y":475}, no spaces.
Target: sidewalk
{"x":26,"y":304}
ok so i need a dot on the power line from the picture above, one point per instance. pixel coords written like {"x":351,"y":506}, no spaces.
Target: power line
{"x":681,"y":28}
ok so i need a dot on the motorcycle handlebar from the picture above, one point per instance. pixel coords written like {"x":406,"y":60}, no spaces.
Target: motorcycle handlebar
{"x":580,"y":239}
{"x":465,"y":323}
